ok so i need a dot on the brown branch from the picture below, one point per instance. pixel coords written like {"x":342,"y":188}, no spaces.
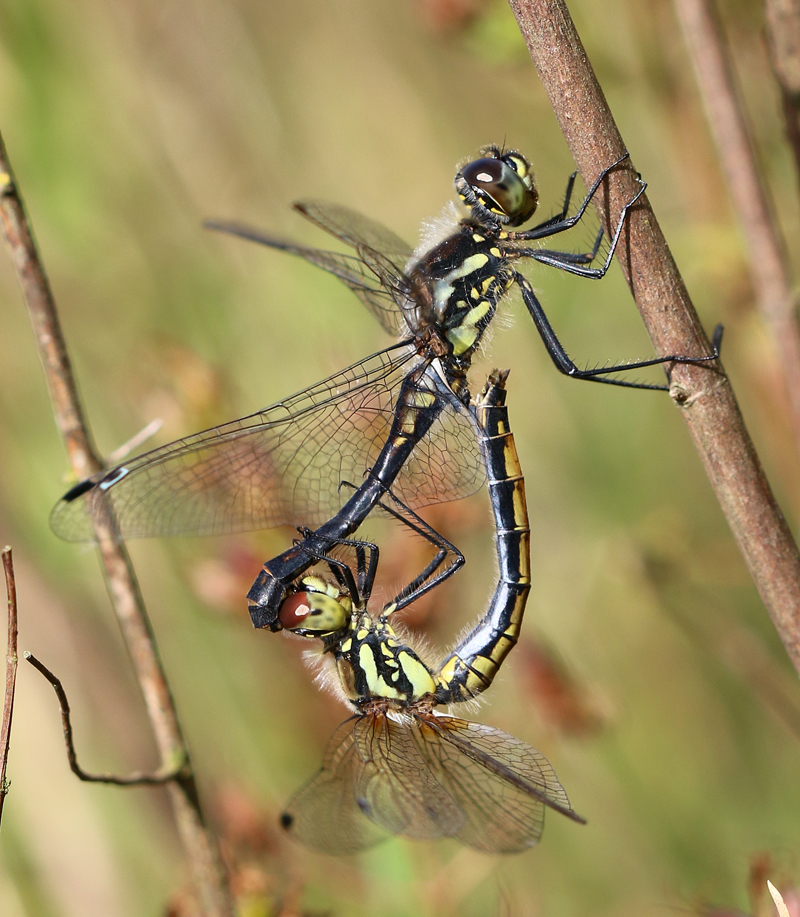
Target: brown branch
{"x":783,"y":39}
{"x":138,"y":778}
{"x":11,"y":673}
{"x":199,"y":845}
{"x":705,"y":395}
{"x":716,"y":79}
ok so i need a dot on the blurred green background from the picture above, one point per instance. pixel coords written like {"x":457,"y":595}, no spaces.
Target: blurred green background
{"x":649,"y":673}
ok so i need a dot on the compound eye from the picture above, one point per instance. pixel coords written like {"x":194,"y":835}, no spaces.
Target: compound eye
{"x":313,"y":614}
{"x":501,"y":189}
{"x":294,"y":610}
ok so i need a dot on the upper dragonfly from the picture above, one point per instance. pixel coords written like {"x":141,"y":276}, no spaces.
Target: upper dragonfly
{"x":400,"y":415}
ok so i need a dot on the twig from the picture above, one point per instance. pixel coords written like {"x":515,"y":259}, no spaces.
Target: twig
{"x":716,"y":79}
{"x":783,"y":38}
{"x":199,"y":845}
{"x":11,"y":673}
{"x":138,"y":778}
{"x":705,"y":395}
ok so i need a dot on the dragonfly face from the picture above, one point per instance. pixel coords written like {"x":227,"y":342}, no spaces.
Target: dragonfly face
{"x":498,"y":188}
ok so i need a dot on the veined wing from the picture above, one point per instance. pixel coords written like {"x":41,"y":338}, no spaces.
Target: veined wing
{"x":501,"y":784}
{"x":384,"y":252}
{"x":396,"y":788}
{"x":362,"y":279}
{"x":325,"y":814}
{"x":357,"y":230}
{"x":282,"y":464}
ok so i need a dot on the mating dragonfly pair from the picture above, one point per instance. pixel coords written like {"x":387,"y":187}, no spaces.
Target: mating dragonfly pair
{"x":402,"y":415}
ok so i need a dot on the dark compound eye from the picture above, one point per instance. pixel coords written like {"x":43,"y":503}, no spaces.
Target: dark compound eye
{"x":294,"y":610}
{"x":500,"y":188}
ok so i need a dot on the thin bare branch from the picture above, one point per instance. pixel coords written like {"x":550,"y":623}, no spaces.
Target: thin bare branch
{"x":199,"y":845}
{"x":138,"y":778}
{"x":11,"y":673}
{"x":783,"y":38}
{"x":716,"y":79}
{"x":704,"y":394}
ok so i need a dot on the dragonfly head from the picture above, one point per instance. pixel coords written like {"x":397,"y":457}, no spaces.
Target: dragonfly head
{"x":315,"y":609}
{"x":498,"y":187}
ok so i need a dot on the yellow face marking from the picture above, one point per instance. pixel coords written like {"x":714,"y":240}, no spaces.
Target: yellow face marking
{"x":477,"y":238}
{"x":316,"y":582}
{"x":495,"y":252}
{"x":362,"y":634}
{"x":419,"y":677}
{"x":502,"y":234}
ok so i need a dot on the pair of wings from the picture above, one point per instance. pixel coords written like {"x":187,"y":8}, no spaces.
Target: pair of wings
{"x":431,"y":777}
{"x":287,"y":463}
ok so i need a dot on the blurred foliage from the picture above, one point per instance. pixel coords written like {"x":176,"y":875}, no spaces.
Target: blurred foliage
{"x":127,"y":125}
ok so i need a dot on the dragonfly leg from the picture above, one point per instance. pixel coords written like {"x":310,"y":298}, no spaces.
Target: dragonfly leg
{"x":561,"y":222}
{"x":565,"y":365}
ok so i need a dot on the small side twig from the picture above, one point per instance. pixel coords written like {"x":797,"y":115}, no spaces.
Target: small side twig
{"x":707,"y":400}
{"x":11,"y":673}
{"x":766,"y":251}
{"x":199,"y":844}
{"x":138,"y":778}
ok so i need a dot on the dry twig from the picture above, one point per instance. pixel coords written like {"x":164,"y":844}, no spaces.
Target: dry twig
{"x":199,"y":845}
{"x":11,"y":672}
{"x":138,"y":778}
{"x":716,"y":80}
{"x":705,"y":395}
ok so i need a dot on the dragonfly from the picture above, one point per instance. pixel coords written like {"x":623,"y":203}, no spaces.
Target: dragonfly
{"x":399,"y":766}
{"x":396,"y":421}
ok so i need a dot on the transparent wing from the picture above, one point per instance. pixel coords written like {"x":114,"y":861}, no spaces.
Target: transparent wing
{"x":383,"y":252}
{"x":284,"y":464}
{"x":325,"y":813}
{"x":365,"y":282}
{"x":501,"y":784}
{"x":395,"y":787}
{"x":357,"y":230}
{"x":446,"y":461}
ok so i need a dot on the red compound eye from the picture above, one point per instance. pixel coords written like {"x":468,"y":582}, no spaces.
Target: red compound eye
{"x":294,"y":610}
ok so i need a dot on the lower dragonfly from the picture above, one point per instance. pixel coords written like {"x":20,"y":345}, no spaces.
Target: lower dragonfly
{"x":400,"y":416}
{"x":398,"y":766}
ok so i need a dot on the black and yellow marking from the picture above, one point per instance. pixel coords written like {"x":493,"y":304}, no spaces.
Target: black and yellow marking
{"x":472,"y":665}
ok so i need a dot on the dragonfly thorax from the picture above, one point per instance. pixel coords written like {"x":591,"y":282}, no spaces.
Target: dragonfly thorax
{"x":373,"y":665}
{"x":466,"y":274}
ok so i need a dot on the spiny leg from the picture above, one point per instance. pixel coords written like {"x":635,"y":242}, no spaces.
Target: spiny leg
{"x":565,"y":365}
{"x":574,"y":263}
{"x":561,"y":222}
